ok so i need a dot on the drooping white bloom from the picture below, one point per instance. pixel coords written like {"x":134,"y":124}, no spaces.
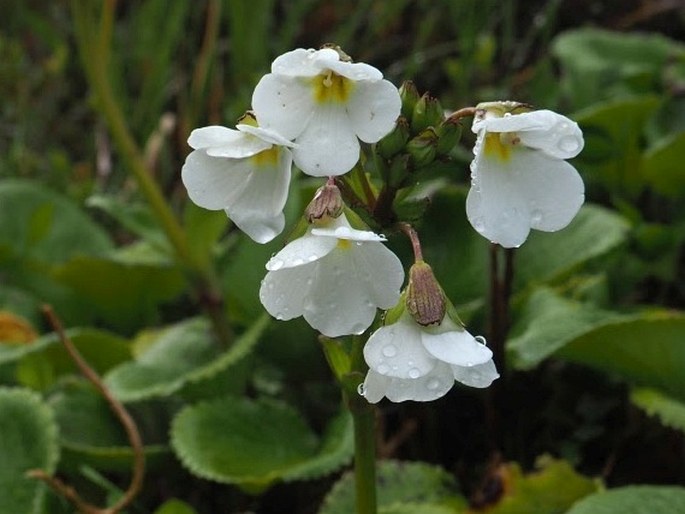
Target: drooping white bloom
{"x":326,"y":105}
{"x":246,"y":172}
{"x":335,"y":277}
{"x":408,"y":361}
{"x":519,"y":178}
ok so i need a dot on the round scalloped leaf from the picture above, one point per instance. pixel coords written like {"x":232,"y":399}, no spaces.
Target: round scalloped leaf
{"x":28,"y":441}
{"x":670,"y":411}
{"x":640,"y":499}
{"x":421,"y":485}
{"x":418,"y":508}
{"x":177,"y":356}
{"x":91,"y":434}
{"x":253,"y":443}
{"x":175,"y":506}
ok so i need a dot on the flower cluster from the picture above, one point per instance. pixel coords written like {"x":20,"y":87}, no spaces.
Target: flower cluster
{"x":317,"y":109}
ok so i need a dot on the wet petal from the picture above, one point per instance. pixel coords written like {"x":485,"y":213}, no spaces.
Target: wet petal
{"x":425,"y":389}
{"x":267,"y":135}
{"x":340,"y":228}
{"x":381,"y":271}
{"x":529,"y":190}
{"x":356,"y":71}
{"x":283,"y":104}
{"x":481,"y":375}
{"x":298,"y":63}
{"x":214,"y":135}
{"x":338,"y":303}
{"x":455,"y":347}
{"x":213,"y":183}
{"x":283,"y":292}
{"x":302,"y":250}
{"x":396,"y":351}
{"x":373,"y":109}
{"x":328,"y":145}
{"x":261,"y":227}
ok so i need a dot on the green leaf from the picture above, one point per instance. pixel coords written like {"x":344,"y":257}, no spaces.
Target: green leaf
{"x":640,"y":499}
{"x":42,"y":362}
{"x":252,"y":443}
{"x":545,"y":256}
{"x":643,"y":347}
{"x":203,"y":229}
{"x":662,"y":166}
{"x":135,"y":217}
{"x":29,"y":441}
{"x":417,"y":508}
{"x":422,"y":485}
{"x":178,"y":356}
{"x":613,"y":133}
{"x":90,"y":433}
{"x":551,"y":489}
{"x":671,"y":412}
{"x":126,"y":295}
{"x":175,"y":506}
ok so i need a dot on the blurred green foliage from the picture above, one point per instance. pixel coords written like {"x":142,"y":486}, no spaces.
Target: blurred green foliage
{"x":597,"y":309}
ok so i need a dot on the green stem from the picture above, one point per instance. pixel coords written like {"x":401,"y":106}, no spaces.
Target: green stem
{"x":94,"y":50}
{"x":364,"y":420}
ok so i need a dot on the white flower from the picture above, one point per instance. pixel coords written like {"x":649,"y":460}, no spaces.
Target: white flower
{"x":335,"y":277}
{"x":410,"y":362}
{"x":519,"y":177}
{"x":246,"y":172}
{"x":325,"y":105}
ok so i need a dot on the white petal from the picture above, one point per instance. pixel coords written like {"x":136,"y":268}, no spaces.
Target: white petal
{"x":355,"y":71}
{"x":328,"y":145}
{"x":396,"y":351}
{"x":373,"y":109}
{"x":267,"y":135}
{"x":303,"y":250}
{"x":340,"y":228}
{"x":299,"y":62}
{"x":548,"y":131}
{"x":528,"y":190}
{"x":338,"y":303}
{"x":381,"y":271}
{"x":283,"y":104}
{"x":283,"y":292}
{"x":455,"y":347}
{"x":481,"y":375}
{"x":214,"y":135}
{"x":258,"y":211}
{"x":425,"y":389}
{"x":213,"y":183}
{"x":224,"y":142}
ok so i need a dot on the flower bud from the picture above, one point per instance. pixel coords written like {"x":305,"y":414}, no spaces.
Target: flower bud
{"x":425,"y":299}
{"x":422,"y":148}
{"x":409,"y":96}
{"x":327,"y":204}
{"x":449,"y":134}
{"x":394,"y":142}
{"x":427,"y":113}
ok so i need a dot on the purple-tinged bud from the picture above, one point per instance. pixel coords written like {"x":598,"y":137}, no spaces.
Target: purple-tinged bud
{"x":425,"y":299}
{"x":327,"y":204}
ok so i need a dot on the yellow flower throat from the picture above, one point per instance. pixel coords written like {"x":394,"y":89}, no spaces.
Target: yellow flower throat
{"x":331,"y":87}
{"x":500,"y":144}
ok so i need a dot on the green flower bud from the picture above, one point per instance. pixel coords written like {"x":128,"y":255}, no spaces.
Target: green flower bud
{"x":394,"y":142}
{"x":398,"y":171}
{"x":425,"y":299}
{"x":409,"y":96}
{"x":449,"y":134}
{"x":423,"y":147}
{"x":427,"y":113}
{"x":327,"y":204}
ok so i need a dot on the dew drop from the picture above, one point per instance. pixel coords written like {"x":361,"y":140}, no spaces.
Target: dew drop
{"x":480,"y":340}
{"x":479,"y":225}
{"x":536,"y":216}
{"x":298,"y":262}
{"x":360,"y":390}
{"x":383,"y":369}
{"x":279,"y":316}
{"x":389,"y":350}
{"x":433,"y":384}
{"x":310,"y":281}
{"x":270,"y":286}
{"x":414,"y":373}
{"x":358,"y":328}
{"x":568,"y":144}
{"x":312,"y":258}
{"x":275,"y":264}
{"x":358,"y":243}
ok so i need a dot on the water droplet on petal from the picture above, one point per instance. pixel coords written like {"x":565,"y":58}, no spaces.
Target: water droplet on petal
{"x":310,"y":281}
{"x":298,"y":262}
{"x":568,"y":144}
{"x":312,"y":258}
{"x":270,"y":285}
{"x":536,"y":216}
{"x":481,"y":340}
{"x":414,"y":373}
{"x":361,"y":390}
{"x":358,"y":243}
{"x":433,"y":384}
{"x":275,"y":264}
{"x":383,"y":369}
{"x":479,"y":224}
{"x":469,"y":364}
{"x":389,"y":350}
